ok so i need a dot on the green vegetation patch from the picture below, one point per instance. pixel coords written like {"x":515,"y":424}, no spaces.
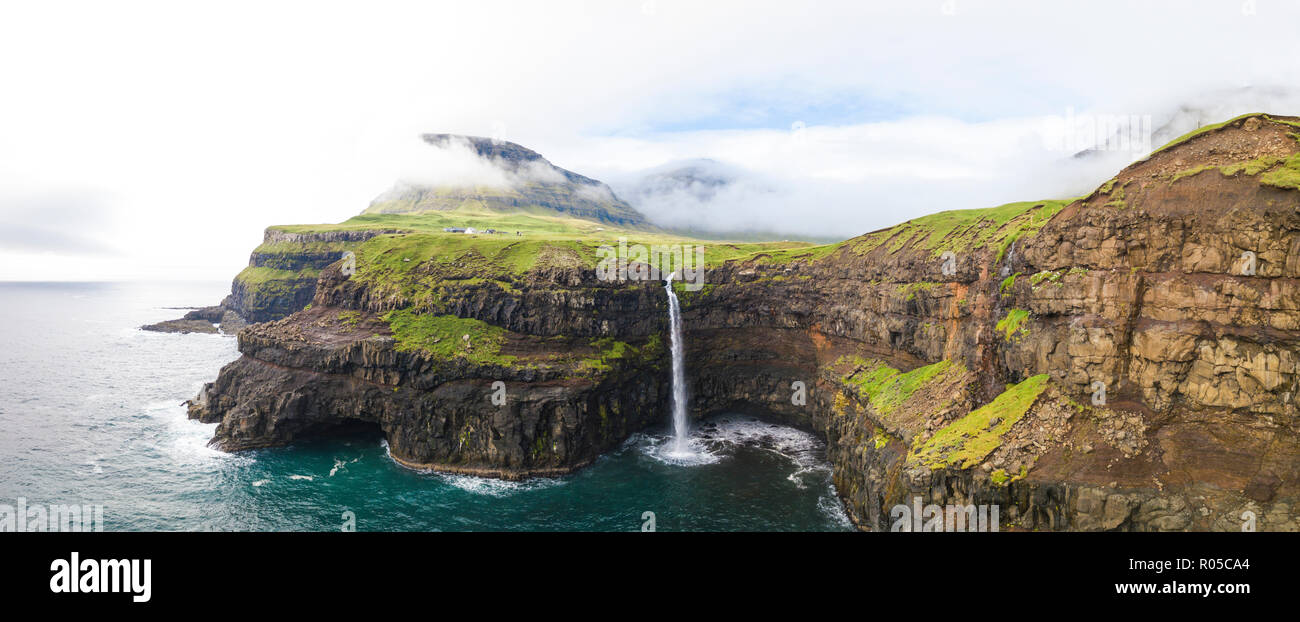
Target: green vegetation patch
{"x":887,"y":388}
{"x":303,"y":248}
{"x":1000,"y":477}
{"x":541,"y":228}
{"x":1013,"y":323}
{"x":608,"y":350}
{"x":1007,"y":284}
{"x":1117,"y":197}
{"x":789,"y":255}
{"x":444,"y":337}
{"x":966,"y":442}
{"x":908,"y":290}
{"x":349,"y":319}
{"x":256,"y":276}
{"x":1295,"y":124}
{"x":1191,"y":172}
{"x":1250,"y":167}
{"x":1050,"y":276}
{"x":1287,"y":176}
{"x":963,"y":231}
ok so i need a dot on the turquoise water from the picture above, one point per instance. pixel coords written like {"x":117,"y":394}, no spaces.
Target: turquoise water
{"x":90,"y":413}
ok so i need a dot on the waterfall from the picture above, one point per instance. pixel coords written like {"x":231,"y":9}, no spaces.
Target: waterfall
{"x":679,"y":370}
{"x":1011,"y":256}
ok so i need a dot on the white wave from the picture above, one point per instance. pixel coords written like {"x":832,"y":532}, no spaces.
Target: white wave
{"x":709,"y":443}
{"x":261,"y":482}
{"x":163,"y":405}
{"x":795,"y":444}
{"x":830,"y":505}
{"x":696,"y":452}
{"x":490,"y":486}
{"x":303,"y":477}
{"x":185,"y":439}
{"x":493,"y":487}
{"x":341,"y":465}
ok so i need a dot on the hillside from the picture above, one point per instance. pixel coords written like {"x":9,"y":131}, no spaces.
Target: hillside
{"x":533,"y":185}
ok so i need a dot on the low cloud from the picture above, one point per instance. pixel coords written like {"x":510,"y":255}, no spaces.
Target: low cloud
{"x":841,"y":181}
{"x":452,"y":164}
{"x":456,"y":164}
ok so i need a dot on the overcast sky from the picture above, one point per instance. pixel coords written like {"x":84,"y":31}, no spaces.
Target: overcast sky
{"x":157,"y":140}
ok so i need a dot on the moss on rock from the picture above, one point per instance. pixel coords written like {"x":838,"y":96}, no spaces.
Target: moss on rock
{"x":967,"y":441}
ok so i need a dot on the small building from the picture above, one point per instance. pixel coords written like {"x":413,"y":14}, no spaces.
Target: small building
{"x":454,"y":229}
{"x":470,"y":230}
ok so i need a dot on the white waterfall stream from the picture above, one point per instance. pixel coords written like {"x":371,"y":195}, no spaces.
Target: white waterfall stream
{"x":679,"y":371}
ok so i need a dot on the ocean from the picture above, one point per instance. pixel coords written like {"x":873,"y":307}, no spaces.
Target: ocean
{"x":91,"y":414}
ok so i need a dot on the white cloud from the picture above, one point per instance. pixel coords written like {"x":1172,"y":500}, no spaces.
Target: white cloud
{"x":453,"y":164}
{"x":193,"y":127}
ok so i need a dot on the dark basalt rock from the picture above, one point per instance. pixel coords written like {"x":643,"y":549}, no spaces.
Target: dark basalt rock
{"x":181,"y":326}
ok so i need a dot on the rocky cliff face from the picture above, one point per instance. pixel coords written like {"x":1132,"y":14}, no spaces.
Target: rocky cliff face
{"x":280,"y":278}
{"x":282,"y":272}
{"x":1123,"y":361}
{"x":562,"y":398}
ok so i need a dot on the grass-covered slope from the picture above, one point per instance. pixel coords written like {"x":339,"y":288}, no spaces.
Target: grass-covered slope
{"x":962,"y":231}
{"x":522,"y":242}
{"x":1259,"y":148}
{"x":1213,"y":127}
{"x":591,"y":202}
{"x":965,"y":442}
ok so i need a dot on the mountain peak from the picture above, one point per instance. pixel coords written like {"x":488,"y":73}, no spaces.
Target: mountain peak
{"x":485,"y":147}
{"x":530,"y":183}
